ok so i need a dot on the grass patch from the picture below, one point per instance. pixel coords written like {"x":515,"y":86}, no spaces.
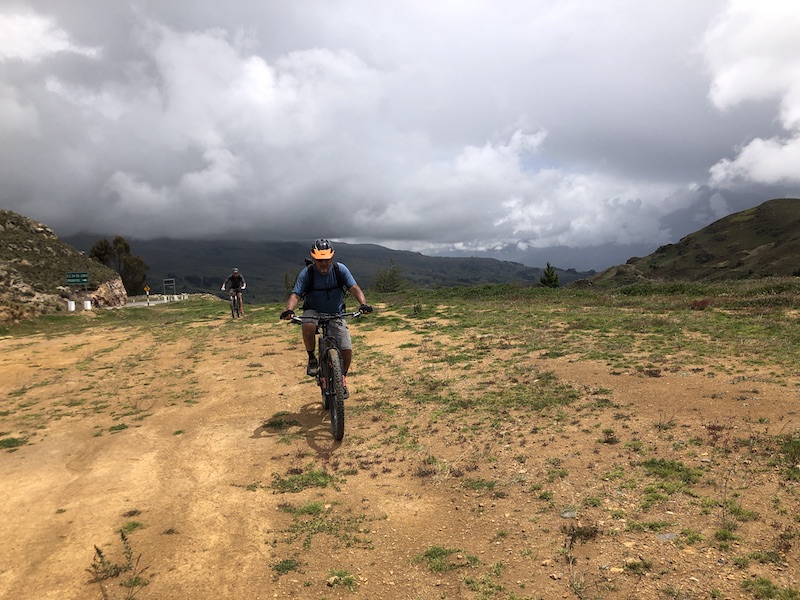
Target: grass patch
{"x":278,"y":423}
{"x":478,"y":485}
{"x":314,"y":519}
{"x":286,"y":566}
{"x":131,"y":526}
{"x":762,"y":587}
{"x":440,"y":559}
{"x":295,"y":482}
{"x":340,"y":577}
{"x":12,"y":442}
{"x":671,"y":470}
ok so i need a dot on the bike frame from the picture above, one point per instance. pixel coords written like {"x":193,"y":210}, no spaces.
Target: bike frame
{"x":236,"y":307}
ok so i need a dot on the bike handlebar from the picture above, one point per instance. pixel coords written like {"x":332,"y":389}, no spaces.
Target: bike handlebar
{"x":325,"y":317}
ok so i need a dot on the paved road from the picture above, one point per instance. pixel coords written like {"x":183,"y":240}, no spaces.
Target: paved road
{"x":152,"y":302}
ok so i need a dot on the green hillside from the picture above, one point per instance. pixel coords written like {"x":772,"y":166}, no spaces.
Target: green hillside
{"x":759,"y":242}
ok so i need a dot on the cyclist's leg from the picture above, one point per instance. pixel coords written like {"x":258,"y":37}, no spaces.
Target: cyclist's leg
{"x":345,"y":343}
{"x":310,"y":341}
{"x":241,"y":306}
{"x":310,"y":330}
{"x":347,"y":358}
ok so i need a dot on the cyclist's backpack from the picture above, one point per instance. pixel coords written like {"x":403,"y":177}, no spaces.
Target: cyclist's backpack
{"x":310,"y":280}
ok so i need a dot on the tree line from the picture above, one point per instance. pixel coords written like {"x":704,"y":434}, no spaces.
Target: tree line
{"x":133,"y":270}
{"x":117,"y":256}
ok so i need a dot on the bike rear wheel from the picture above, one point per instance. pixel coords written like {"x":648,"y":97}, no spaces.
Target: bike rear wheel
{"x":335,"y":400}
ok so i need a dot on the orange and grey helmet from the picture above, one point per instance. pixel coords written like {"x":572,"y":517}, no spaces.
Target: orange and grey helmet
{"x":322,"y":250}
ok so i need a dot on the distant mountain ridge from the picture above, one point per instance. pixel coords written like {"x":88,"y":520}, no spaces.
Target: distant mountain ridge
{"x":202,"y":266}
{"x":763,"y":241}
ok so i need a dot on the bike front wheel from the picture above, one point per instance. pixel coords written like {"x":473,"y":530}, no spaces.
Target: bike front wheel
{"x":335,"y":400}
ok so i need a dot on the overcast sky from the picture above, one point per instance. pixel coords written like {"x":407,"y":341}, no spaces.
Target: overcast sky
{"x":422,"y":124}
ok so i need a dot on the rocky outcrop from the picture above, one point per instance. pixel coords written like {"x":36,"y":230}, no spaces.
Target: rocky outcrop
{"x":20,"y":300}
{"x":110,"y":293}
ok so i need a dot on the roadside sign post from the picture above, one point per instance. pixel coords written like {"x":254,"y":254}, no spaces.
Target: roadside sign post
{"x":77,"y":278}
{"x":169,"y":284}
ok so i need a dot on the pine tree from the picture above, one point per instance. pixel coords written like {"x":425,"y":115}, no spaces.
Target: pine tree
{"x":549,"y":278}
{"x":390,"y":280}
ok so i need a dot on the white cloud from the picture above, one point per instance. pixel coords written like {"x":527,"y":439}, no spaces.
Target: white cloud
{"x":414,"y":124}
{"x":753,"y":52}
{"x":764,"y":161}
{"x":32,"y":37}
{"x":219,"y":176}
{"x":105,"y":102}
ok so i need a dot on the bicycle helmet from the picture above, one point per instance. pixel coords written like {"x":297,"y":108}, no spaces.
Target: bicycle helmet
{"x":322,"y":250}
{"x":235,"y":270}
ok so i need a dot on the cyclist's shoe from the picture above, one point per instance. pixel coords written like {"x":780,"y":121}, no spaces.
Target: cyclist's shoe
{"x":313,"y":365}
{"x":346,"y":394}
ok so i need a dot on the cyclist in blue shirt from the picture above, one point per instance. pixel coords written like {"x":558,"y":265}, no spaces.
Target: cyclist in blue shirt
{"x":321,"y":286}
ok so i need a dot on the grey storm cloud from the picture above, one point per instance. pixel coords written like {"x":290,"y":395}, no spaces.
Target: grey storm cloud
{"x":429,"y":125}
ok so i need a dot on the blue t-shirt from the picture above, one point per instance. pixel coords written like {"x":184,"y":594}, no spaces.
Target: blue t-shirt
{"x":326,"y":297}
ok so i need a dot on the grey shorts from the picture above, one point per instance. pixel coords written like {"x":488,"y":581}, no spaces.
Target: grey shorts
{"x":338,"y":328}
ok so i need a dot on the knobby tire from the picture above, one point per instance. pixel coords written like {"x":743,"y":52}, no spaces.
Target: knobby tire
{"x":336,"y":402}
{"x":321,"y":371}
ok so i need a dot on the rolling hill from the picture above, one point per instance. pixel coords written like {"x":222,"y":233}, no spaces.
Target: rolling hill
{"x":763,"y":241}
{"x":202,"y":266}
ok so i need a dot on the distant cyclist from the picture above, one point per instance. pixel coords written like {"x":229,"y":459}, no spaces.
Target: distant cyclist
{"x":321,"y":285}
{"x":237,"y":283}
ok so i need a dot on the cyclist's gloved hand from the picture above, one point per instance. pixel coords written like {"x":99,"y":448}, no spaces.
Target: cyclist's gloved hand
{"x":222,"y":289}
{"x":244,"y":285}
{"x":365,"y":308}
{"x":287,"y":314}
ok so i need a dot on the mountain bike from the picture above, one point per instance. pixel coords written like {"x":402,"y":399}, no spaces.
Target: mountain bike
{"x":329,"y":375}
{"x":236,"y":310}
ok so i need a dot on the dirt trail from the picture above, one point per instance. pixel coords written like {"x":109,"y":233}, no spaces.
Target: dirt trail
{"x":170,"y":433}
